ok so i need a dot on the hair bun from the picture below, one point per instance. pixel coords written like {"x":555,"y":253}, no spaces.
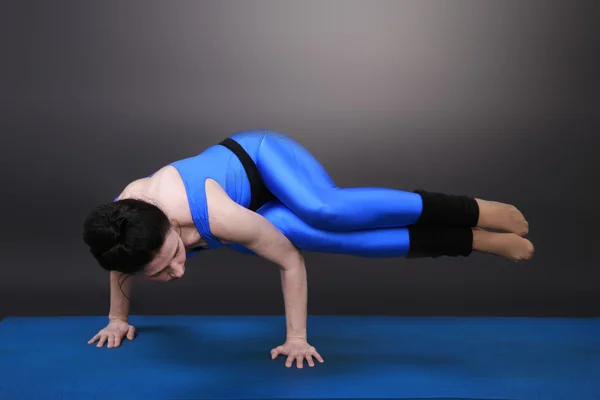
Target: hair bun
{"x":118,"y":225}
{"x":104,"y":228}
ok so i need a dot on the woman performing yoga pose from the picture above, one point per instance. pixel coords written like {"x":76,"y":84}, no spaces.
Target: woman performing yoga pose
{"x":262,"y":193}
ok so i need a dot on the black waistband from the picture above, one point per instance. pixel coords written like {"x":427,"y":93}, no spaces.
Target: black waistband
{"x":259,"y":194}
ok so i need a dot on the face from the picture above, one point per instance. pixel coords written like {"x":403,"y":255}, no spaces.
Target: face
{"x":169,"y":263}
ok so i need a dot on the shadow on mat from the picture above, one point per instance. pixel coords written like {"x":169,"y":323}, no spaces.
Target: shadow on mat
{"x":183,"y":345}
{"x":238,"y":362}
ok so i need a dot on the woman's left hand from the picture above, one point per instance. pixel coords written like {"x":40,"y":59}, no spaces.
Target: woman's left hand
{"x":299,"y":350}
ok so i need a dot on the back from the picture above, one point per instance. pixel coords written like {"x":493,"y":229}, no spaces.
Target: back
{"x":220,"y":164}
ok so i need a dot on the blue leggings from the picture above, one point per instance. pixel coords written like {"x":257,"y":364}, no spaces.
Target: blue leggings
{"x":317,"y":216}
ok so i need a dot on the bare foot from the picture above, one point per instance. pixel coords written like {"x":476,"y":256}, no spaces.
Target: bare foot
{"x":501,"y":216}
{"x":507,"y":245}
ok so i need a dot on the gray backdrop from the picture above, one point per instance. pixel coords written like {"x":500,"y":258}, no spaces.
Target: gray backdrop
{"x":497,"y":100}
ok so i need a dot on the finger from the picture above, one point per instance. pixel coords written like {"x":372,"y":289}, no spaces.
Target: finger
{"x":131,"y":333}
{"x":276,"y":351}
{"x":101,"y":341}
{"x":111,"y":341}
{"x":309,"y":360}
{"x":94,"y":339}
{"x":289,"y":361}
{"x":117,"y":341}
{"x":317,"y":356}
{"x":300,"y":361}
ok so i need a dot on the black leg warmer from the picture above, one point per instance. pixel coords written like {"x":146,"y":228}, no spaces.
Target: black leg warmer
{"x":441,"y":209}
{"x":433,"y":242}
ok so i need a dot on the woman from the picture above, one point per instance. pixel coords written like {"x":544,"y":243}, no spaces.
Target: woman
{"x":261,"y":192}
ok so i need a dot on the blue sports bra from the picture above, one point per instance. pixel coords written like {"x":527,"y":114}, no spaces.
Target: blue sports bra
{"x":232,"y":164}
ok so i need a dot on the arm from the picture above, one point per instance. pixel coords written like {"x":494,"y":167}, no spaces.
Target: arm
{"x":120,"y":293}
{"x":295,"y":297}
{"x":118,"y":316}
{"x":235,"y":224}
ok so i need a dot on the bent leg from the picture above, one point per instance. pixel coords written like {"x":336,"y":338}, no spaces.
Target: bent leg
{"x":409,"y":242}
{"x":296,"y":178}
{"x":375,"y":243}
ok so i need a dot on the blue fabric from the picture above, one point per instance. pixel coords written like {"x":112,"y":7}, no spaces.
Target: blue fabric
{"x":309,"y":208}
{"x":369,"y":243}
{"x":301,"y":183}
{"x":220,"y":164}
{"x":192,"y":357}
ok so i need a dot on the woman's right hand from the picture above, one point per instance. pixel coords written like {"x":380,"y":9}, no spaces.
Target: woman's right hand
{"x":113,"y":334}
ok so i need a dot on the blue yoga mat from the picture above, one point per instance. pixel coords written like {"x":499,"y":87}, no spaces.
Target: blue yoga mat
{"x":196,"y":357}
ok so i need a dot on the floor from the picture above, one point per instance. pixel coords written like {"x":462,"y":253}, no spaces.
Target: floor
{"x":197,"y":357}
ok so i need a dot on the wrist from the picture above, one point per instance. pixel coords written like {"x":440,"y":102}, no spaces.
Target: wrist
{"x":112,"y":318}
{"x":291,"y":338}
{"x":296,"y":329}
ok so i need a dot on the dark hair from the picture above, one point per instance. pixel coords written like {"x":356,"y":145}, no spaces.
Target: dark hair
{"x":125,"y":235}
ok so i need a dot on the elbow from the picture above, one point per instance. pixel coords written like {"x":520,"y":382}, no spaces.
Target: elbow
{"x":292,"y":259}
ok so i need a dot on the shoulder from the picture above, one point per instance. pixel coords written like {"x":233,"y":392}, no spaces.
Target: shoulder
{"x":162,"y":186}
{"x":166,"y":175}
{"x":134,"y":190}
